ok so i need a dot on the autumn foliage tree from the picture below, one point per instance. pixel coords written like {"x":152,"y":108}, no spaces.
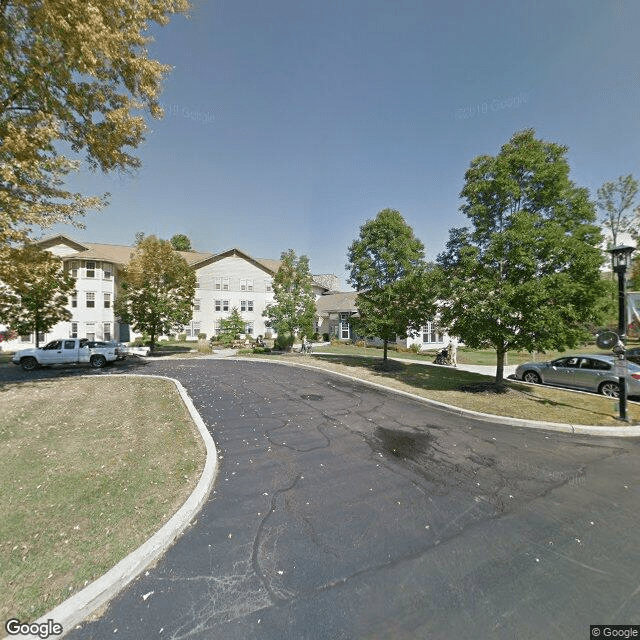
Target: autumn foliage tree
{"x":76,"y":79}
{"x":34,"y":291}
{"x":157,"y":289}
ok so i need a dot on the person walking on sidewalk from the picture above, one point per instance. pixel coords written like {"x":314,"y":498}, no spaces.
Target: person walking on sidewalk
{"x":452,"y":356}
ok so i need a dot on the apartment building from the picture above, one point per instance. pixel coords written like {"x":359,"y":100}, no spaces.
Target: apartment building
{"x":227,"y":280}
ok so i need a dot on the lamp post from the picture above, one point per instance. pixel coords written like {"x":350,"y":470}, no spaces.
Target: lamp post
{"x":621,"y":257}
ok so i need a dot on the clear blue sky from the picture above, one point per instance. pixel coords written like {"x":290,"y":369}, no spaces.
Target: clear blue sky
{"x":290,"y":123}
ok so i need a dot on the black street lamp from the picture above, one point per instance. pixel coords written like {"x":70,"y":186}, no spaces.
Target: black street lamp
{"x":621,"y":256}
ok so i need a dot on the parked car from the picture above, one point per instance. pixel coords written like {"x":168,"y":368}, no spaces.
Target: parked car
{"x":67,"y":351}
{"x":633,"y":355}
{"x":587,"y":372}
{"x":120,"y":349}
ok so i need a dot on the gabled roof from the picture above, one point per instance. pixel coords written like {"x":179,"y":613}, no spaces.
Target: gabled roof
{"x":270,"y":266}
{"x":115,"y":253}
{"x":52,"y":241}
{"x":344,"y":302}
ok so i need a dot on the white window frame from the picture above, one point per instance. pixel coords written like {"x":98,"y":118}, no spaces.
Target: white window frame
{"x":106,"y":299}
{"x":107,"y":271}
{"x":73,"y":300}
{"x":73,"y":330}
{"x":196,"y":304}
{"x":87,"y":300}
{"x":88,"y":269}
{"x":106,"y":331}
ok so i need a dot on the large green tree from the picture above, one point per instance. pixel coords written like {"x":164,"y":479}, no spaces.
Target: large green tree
{"x":34,"y":291}
{"x":157,"y":289}
{"x":294,"y":308}
{"x":387,"y":269}
{"x":76,"y":79}
{"x":526,"y":273}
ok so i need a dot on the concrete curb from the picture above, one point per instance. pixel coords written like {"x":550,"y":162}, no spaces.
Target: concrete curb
{"x":82,"y":604}
{"x":592,"y":430}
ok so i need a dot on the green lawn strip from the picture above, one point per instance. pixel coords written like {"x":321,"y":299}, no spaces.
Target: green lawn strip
{"x":529,"y":402}
{"x":464,"y":354}
{"x":90,"y":468}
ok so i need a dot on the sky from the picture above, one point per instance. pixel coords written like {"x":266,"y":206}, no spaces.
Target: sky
{"x":290,"y":123}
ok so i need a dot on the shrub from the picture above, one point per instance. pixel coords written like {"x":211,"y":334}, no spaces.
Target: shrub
{"x":182,"y":337}
{"x":284,"y":341}
{"x":325,"y":337}
{"x":415,"y":348}
{"x":360,"y":343}
{"x":315,"y":337}
{"x":202,"y":336}
{"x":261,"y":350}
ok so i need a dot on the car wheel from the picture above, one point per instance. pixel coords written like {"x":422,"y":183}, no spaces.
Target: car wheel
{"x":532,"y":377}
{"x":29,"y":363}
{"x":98,"y":361}
{"x":609,"y":389}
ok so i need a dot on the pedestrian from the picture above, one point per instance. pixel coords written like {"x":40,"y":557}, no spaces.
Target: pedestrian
{"x":303,"y":349}
{"x":453,"y":353}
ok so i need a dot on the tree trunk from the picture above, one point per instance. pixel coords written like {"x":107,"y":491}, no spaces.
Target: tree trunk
{"x":500,"y":353}
{"x":384,"y":350}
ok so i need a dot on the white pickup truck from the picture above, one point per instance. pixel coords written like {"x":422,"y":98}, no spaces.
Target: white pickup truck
{"x":68,"y":351}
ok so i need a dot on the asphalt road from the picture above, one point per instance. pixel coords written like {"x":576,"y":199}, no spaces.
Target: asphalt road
{"x":341,"y":511}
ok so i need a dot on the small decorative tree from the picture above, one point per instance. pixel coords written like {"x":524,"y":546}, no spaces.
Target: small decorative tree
{"x":232,"y":327}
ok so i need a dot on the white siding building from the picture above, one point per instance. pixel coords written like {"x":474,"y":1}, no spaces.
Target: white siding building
{"x":227,"y":280}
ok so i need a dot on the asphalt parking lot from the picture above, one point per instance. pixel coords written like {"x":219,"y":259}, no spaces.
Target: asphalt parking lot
{"x":341,"y":511}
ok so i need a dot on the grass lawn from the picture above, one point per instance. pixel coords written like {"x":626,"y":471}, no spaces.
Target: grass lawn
{"x":446,"y":384}
{"x":465,"y":355}
{"x":90,"y":468}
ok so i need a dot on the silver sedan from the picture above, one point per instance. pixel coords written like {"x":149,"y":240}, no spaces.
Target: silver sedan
{"x":585,"y":372}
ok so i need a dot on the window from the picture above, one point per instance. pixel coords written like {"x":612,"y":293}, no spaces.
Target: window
{"x":246,"y":305}
{"x":69,"y":344}
{"x":225,"y":284}
{"x":430,"y":333}
{"x":192,"y":329}
{"x":90,"y":271}
{"x":74,"y":268}
{"x":246,"y":285}
{"x":248,"y":329}
{"x":41,"y":336}
{"x":107,"y":271}
{"x":196,"y":304}
{"x":90,"y":299}
{"x":73,"y":333}
{"x":106,"y":331}
{"x":25,"y":338}
{"x":90,"y":331}
{"x":74,"y":299}
{"x":107,"y":300}
{"x":225,"y":305}
{"x":218,"y":305}
{"x":217,"y":283}
{"x":268,"y":285}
